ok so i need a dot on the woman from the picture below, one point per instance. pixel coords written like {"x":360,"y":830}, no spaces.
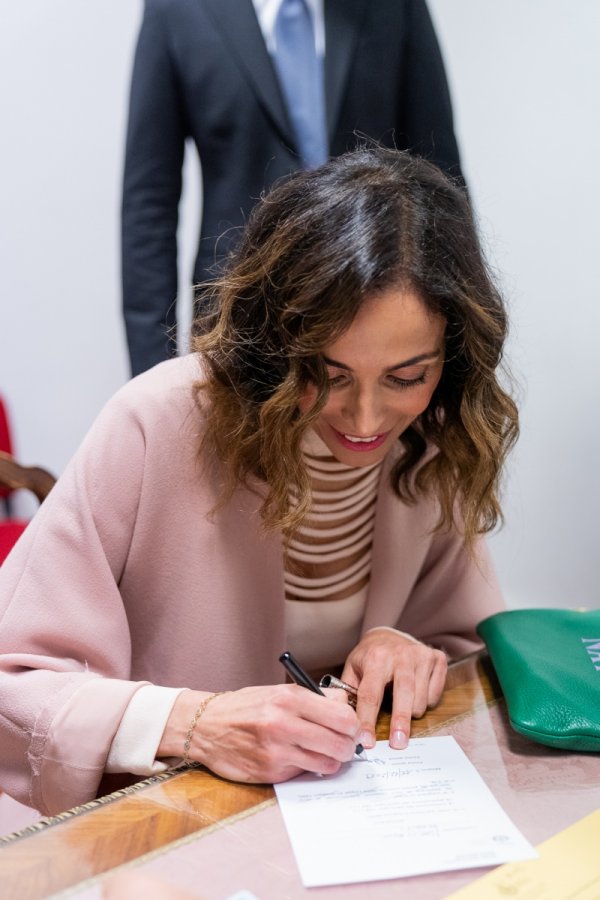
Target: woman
{"x":316,"y":475}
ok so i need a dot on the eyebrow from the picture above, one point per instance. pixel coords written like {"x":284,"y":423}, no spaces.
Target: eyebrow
{"x":423,"y":357}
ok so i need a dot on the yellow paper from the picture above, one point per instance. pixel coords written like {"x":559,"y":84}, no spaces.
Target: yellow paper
{"x":568,"y":867}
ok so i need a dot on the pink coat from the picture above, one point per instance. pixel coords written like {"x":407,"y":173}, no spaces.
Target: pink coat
{"x":122,"y":579}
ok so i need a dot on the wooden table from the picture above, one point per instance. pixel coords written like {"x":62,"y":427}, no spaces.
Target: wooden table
{"x":67,"y":849}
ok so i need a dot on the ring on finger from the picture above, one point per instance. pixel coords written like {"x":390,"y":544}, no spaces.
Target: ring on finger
{"x":330,"y":681}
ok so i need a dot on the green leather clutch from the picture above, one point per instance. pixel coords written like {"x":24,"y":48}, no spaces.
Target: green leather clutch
{"x":548,"y":665}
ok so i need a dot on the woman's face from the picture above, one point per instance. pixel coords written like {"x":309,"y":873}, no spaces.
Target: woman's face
{"x":382,"y":373}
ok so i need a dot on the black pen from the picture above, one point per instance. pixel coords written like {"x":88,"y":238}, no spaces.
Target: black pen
{"x":299,"y":676}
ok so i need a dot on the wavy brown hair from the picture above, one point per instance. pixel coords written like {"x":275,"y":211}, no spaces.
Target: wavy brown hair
{"x":314,"y":248}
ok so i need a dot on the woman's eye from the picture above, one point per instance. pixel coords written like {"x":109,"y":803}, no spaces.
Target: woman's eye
{"x":337,"y":380}
{"x":409,"y":379}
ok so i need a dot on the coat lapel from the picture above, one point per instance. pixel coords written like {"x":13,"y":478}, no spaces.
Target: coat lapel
{"x":237,"y":23}
{"x":343,"y":20}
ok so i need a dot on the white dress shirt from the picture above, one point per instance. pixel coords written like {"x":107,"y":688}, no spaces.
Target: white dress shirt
{"x":266,"y":13}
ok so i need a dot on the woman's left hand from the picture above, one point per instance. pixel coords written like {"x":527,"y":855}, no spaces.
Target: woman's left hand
{"x":416,"y":672}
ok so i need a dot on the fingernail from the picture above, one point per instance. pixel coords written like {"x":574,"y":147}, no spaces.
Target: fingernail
{"x":366,"y":738}
{"x":398,"y":740}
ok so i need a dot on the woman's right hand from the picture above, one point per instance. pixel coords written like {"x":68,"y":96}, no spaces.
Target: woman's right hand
{"x":264,"y":734}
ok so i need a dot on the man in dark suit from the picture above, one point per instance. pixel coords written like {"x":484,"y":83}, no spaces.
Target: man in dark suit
{"x":203,"y":71}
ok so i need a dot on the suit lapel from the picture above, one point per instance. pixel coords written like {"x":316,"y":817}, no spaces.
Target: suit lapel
{"x":343,"y":20}
{"x":239,"y":28}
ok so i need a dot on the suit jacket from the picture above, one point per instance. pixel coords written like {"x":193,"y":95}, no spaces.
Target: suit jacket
{"x":202,"y":71}
{"x":124,"y":579}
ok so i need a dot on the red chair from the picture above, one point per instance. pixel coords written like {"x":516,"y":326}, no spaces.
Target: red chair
{"x":16,"y":477}
{"x":5,"y":447}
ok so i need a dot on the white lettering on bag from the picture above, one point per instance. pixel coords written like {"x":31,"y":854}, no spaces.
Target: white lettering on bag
{"x":592,"y":645}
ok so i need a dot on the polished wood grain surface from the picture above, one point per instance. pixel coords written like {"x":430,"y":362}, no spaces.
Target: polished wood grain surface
{"x":95,"y":839}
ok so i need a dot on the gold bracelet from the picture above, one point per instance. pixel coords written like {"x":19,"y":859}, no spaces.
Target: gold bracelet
{"x":188,"y":738}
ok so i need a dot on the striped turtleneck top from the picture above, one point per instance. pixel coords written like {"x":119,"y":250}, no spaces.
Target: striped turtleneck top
{"x":328,"y":562}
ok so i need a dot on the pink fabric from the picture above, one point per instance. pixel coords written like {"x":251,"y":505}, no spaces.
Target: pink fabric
{"x":124,"y":579}
{"x":14,"y":816}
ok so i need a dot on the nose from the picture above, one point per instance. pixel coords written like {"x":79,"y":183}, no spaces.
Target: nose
{"x":364,"y":412}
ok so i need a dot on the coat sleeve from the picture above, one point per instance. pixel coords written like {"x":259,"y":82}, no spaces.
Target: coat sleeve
{"x":426,"y":119}
{"x":454,"y":591}
{"x":65,"y":646}
{"x":152,"y":182}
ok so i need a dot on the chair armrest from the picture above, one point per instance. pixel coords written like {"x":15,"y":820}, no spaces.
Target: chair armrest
{"x":31,"y":478}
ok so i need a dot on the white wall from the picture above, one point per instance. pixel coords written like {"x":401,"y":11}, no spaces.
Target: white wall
{"x":525,"y":76}
{"x":64,"y":67}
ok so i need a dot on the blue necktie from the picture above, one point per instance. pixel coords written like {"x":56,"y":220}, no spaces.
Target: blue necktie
{"x":300,"y":73}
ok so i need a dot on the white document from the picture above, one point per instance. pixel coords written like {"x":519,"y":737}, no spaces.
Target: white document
{"x":397,"y":813}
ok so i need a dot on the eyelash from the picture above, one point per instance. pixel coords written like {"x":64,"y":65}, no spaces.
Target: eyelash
{"x":398,"y":383}
{"x":406,"y":383}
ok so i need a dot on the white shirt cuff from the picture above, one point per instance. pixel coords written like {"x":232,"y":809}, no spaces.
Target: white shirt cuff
{"x":135,"y":744}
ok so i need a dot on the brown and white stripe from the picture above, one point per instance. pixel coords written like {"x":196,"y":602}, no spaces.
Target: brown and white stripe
{"x":328,"y":562}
